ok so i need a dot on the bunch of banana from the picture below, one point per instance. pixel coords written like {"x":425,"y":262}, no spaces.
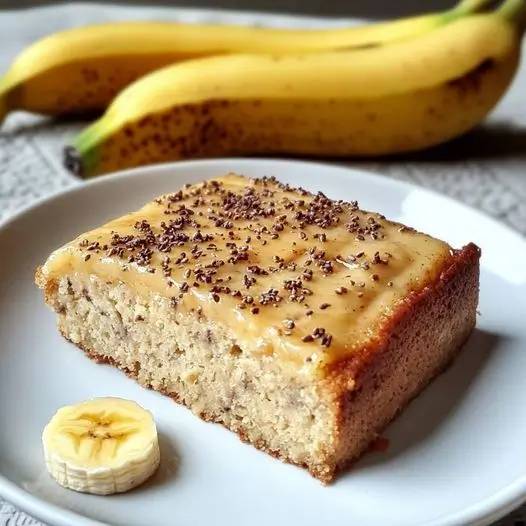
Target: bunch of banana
{"x":101,"y":446}
{"x":405,"y":96}
{"x":82,"y":69}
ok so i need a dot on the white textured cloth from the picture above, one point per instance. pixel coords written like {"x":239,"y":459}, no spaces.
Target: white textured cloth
{"x":486,"y":169}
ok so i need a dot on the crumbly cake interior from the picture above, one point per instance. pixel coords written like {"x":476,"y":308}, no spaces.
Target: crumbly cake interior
{"x":240,"y":297}
{"x":206,"y":369}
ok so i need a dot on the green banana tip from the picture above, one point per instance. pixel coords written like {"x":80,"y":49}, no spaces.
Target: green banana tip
{"x":471,"y":6}
{"x":80,"y":155}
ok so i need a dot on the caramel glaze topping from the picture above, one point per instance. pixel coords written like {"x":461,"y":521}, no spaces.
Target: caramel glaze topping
{"x":292,"y":274}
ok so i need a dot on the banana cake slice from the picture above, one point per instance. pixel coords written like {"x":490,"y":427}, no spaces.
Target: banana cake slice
{"x":301,"y":323}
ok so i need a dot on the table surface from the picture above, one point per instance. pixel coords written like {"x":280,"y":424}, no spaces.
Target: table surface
{"x":485,"y":169}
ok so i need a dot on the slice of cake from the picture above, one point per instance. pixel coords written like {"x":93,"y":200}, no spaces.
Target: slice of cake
{"x":301,"y":323}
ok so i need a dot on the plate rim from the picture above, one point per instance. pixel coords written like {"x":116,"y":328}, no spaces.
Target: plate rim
{"x":482,"y":513}
{"x":376,"y":176}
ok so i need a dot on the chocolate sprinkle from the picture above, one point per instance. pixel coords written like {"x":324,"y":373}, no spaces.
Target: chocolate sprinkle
{"x":326,"y":341}
{"x":289,"y":324}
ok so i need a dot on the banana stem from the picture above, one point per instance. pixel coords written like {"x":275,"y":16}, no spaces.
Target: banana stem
{"x":515,"y":12}
{"x":465,"y":8}
{"x":471,"y":6}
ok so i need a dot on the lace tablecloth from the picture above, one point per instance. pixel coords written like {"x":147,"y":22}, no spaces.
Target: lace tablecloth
{"x":486,"y":169}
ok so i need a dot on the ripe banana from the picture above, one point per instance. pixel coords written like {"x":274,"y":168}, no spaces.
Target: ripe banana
{"x":82,"y":69}
{"x":101,"y":446}
{"x":403,"y":97}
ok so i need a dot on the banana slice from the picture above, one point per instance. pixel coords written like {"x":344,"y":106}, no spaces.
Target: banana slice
{"x":101,"y":446}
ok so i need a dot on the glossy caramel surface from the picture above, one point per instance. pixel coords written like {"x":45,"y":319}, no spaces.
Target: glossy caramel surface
{"x":287,"y":271}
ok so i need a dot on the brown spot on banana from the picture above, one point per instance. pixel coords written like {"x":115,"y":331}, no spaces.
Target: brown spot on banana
{"x":367,"y":45}
{"x":472,"y":80}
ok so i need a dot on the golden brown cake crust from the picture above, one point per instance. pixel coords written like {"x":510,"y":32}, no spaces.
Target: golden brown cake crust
{"x":446,"y":307}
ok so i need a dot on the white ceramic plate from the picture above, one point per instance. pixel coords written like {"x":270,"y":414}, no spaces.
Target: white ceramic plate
{"x":457,"y":455}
